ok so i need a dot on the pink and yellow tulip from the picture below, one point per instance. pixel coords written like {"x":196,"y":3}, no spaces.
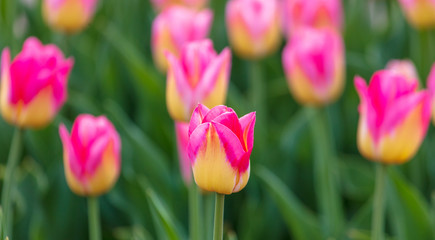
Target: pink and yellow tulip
{"x":193,"y":4}
{"x":34,"y":85}
{"x":91,"y":155}
{"x":431,"y":87}
{"x":200,"y":75}
{"x":420,"y":13}
{"x":405,"y":68}
{"x":182,"y":136}
{"x":68,"y":16}
{"x":394,"y":117}
{"x":314,"y":65}
{"x":220,"y":145}
{"x":312,"y":13}
{"x":175,"y":27}
{"x":253,"y":27}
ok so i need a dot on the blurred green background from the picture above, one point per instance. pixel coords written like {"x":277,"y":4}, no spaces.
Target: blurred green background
{"x":114,"y":75}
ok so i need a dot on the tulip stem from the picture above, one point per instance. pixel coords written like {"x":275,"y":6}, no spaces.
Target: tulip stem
{"x":219,"y":217}
{"x":94,"y":219}
{"x":378,"y":217}
{"x":194,"y":212}
{"x":14,"y":155}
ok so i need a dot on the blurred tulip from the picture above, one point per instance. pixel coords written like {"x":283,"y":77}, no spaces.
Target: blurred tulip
{"x":394,"y":117}
{"x":68,"y":16}
{"x":175,"y":27}
{"x":33,"y":86}
{"x":253,"y":27}
{"x":314,"y":64}
{"x":405,"y":68}
{"x":182,"y":135}
{"x":91,"y":155}
{"x":220,"y":145}
{"x":420,"y":13}
{"x":192,"y":4}
{"x":199,"y":76}
{"x":312,"y":13}
{"x":431,"y":87}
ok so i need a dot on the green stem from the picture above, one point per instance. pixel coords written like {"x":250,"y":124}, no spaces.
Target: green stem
{"x":14,"y":155}
{"x":208,"y":215}
{"x":326,"y":183}
{"x":258,"y":99}
{"x":219,"y":217}
{"x":194,"y":212}
{"x":378,"y":217}
{"x":94,"y":219}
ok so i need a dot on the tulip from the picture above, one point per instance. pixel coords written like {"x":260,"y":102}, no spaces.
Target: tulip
{"x":175,"y":27}
{"x":394,"y":117}
{"x":182,"y":136}
{"x":220,"y":145}
{"x":253,"y":27}
{"x":312,"y":13}
{"x":199,"y":76}
{"x":431,"y":87}
{"x":192,"y":4}
{"x":91,"y":155}
{"x":405,"y":68}
{"x":420,"y":13}
{"x":314,"y":64}
{"x":68,"y":16}
{"x":33,"y":86}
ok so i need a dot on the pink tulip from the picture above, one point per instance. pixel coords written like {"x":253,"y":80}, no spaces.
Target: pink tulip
{"x":200,"y":75}
{"x":175,"y":27}
{"x":312,"y":13}
{"x":420,"y":13}
{"x":91,"y":155}
{"x":220,"y":145}
{"x":405,"y":68}
{"x":68,"y":16}
{"x":431,"y":87}
{"x":193,"y":4}
{"x":314,"y":64}
{"x":182,"y":135}
{"x":33,"y":86}
{"x":394,"y":117}
{"x":253,"y":27}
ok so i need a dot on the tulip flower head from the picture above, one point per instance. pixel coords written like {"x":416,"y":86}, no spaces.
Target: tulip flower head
{"x":91,"y":155}
{"x":253,"y":27}
{"x":394,"y":117}
{"x":312,"y":13}
{"x":182,"y":135}
{"x":68,"y":16}
{"x":220,"y":145}
{"x":405,"y":68}
{"x":192,"y":4}
{"x":175,"y":27}
{"x":200,"y":75}
{"x":431,"y":87}
{"x":314,"y":65}
{"x":33,"y":86}
{"x":420,"y":13}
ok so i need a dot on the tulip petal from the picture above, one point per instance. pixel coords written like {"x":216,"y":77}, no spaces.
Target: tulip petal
{"x":231,"y":144}
{"x":197,"y":139}
{"x":231,"y":121}
{"x":215,"y":112}
{"x":248,"y":123}
{"x":197,"y":117}
{"x":181,"y":133}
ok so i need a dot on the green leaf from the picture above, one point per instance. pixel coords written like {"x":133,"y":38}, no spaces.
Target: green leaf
{"x":409,"y":213}
{"x":294,"y":128}
{"x":162,"y":217}
{"x":301,"y":223}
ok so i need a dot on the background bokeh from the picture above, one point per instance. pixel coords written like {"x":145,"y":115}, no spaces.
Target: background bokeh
{"x":114,"y":75}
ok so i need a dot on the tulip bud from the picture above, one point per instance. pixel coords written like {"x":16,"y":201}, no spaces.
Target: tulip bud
{"x":91,"y":155}
{"x":182,"y":135}
{"x":314,"y":64}
{"x":253,"y":27}
{"x":192,"y":4}
{"x":175,"y":27}
{"x":33,"y":86}
{"x":199,"y":76}
{"x":405,"y":68}
{"x":220,"y":145}
{"x":394,"y":117}
{"x":420,"y":13}
{"x":431,"y":87}
{"x":68,"y":16}
{"x":312,"y":13}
